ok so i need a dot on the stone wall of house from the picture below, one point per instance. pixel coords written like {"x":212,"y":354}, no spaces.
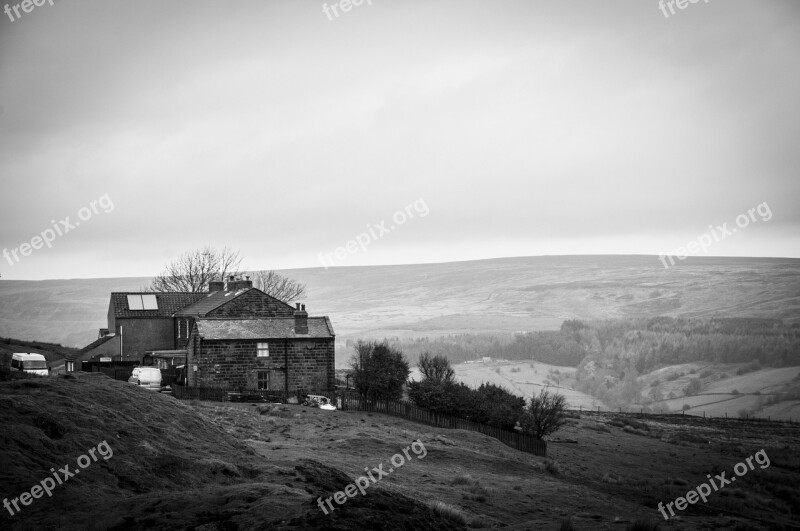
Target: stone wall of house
{"x":311,"y":365}
{"x":254,"y":303}
{"x":234,"y":364}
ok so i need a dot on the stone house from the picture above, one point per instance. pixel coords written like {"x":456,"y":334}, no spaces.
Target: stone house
{"x":232,"y":337}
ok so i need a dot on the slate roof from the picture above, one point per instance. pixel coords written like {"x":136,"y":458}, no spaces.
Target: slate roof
{"x":264,"y":328}
{"x":168,"y":303}
{"x":211,"y":301}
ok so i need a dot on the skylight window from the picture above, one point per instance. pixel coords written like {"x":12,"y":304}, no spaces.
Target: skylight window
{"x":142,"y":302}
{"x":135,"y":302}
{"x":149,"y":302}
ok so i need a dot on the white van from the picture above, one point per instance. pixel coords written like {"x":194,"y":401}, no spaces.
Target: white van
{"x":147,"y":377}
{"x":30,"y":363}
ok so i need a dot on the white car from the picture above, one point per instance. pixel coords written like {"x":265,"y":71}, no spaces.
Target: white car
{"x":147,"y":377}
{"x":30,"y":363}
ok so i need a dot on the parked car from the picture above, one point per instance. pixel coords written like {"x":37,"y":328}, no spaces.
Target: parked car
{"x":30,"y":363}
{"x":147,"y":377}
{"x":322,"y":402}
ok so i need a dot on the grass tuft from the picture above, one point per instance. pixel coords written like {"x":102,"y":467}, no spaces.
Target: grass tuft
{"x":449,"y":512}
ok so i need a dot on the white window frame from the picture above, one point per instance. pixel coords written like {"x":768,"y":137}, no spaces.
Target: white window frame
{"x":262,"y":350}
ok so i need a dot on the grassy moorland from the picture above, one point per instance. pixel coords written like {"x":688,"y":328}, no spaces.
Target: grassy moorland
{"x":221,"y":466}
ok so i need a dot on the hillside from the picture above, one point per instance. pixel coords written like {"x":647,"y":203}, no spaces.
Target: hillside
{"x":175,"y":465}
{"x":500,"y":295}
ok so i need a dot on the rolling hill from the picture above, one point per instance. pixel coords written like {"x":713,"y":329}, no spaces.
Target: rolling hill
{"x":498,"y":295}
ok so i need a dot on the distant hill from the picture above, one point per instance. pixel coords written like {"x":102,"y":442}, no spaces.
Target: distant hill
{"x":485,"y":296}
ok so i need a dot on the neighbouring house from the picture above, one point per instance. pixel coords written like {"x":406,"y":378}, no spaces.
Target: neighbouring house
{"x":233,"y":337}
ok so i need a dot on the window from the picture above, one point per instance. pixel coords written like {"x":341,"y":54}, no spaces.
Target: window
{"x":263,"y":379}
{"x":70,"y":366}
{"x":142,"y":302}
{"x":149,"y":302}
{"x":135,"y":302}
{"x":262,"y":350}
{"x":183,"y":328}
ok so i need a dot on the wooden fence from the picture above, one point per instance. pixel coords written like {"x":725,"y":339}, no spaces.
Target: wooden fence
{"x":407,"y":410}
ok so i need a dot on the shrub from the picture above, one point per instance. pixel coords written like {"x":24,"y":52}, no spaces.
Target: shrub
{"x":693,"y":387}
{"x":735,"y":392}
{"x":379,"y":370}
{"x":686,"y":407}
{"x":552,"y":467}
{"x":497,"y":406}
{"x":750,"y":367}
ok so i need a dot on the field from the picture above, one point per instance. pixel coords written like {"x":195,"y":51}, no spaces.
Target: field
{"x":723,"y":393}
{"x":217,"y":466}
{"x":524,"y":379}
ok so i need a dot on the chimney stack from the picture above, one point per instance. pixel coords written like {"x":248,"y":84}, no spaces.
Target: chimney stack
{"x":235,"y":284}
{"x":300,"y":319}
{"x":216,"y":285}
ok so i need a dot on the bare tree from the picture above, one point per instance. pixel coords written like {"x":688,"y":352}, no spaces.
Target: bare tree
{"x":545,"y":414}
{"x":436,"y":369}
{"x":192,"y":270}
{"x":282,"y":288}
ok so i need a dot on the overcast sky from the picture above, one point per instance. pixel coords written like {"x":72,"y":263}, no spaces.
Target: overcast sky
{"x":508,"y":128}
